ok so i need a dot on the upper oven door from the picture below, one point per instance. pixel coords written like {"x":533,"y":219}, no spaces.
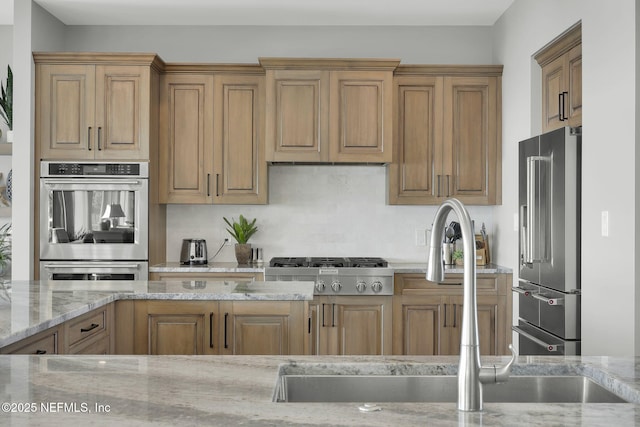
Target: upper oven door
{"x":94,"y":218}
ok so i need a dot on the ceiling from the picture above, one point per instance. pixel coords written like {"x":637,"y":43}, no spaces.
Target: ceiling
{"x":269,"y":12}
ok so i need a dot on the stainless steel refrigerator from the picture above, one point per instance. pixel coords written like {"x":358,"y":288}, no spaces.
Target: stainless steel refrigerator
{"x":548,"y":288}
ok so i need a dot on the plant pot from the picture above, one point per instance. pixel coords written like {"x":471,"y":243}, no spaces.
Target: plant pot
{"x":243,"y":253}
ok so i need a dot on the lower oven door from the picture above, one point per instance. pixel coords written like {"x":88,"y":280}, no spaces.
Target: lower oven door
{"x":94,"y":270}
{"x":533,"y":341}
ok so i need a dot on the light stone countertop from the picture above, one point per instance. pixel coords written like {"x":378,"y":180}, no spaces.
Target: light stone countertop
{"x":238,"y":390}
{"x":29,"y":307}
{"x":397,"y":266}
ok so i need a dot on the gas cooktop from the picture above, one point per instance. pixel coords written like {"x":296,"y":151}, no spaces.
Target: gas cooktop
{"x":328,"y":262}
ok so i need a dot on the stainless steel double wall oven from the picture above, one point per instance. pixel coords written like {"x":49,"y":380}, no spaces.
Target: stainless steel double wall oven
{"x":94,"y":220}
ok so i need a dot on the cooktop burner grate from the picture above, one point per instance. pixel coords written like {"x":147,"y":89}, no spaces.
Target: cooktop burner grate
{"x":367,"y":262}
{"x":289,"y":262}
{"x":329,"y":262}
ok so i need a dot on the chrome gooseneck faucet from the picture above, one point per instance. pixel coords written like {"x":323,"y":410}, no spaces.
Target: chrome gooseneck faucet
{"x":471,"y":375}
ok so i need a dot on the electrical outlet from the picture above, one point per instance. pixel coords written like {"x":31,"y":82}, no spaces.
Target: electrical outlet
{"x":421,"y":237}
{"x":605,"y":223}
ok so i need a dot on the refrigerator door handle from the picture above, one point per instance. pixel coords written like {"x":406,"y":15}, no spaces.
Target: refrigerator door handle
{"x":522,"y":291}
{"x":525,"y":255}
{"x":550,"y":301}
{"x":549,"y":347}
{"x":535,"y":234}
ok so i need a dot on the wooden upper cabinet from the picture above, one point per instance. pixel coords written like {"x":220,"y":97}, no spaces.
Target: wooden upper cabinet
{"x":329,"y":110}
{"x":186,"y":138}
{"x":471,"y":137}
{"x":239,"y":161}
{"x":297,"y":121}
{"x":211,"y":139}
{"x":561,"y":63}
{"x":447,"y":130}
{"x":94,"y":106}
{"x":361,"y":116}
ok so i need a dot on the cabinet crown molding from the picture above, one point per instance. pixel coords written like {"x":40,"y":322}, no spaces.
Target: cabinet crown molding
{"x":449,"y":70}
{"x":149,"y":59}
{"x":203,"y":68}
{"x":329,"y":63}
{"x":560,"y":45}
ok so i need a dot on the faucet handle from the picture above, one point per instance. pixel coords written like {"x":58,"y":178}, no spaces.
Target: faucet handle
{"x":498,"y":374}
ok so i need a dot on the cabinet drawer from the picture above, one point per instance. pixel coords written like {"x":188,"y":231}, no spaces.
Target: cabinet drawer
{"x":43,"y":343}
{"x":406,"y":284}
{"x":87,"y":326}
{"x":95,"y":345}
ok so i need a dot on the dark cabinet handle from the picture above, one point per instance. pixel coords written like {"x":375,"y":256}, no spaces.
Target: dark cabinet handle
{"x":41,"y":352}
{"x":454,"y":314}
{"x":211,"y":330}
{"x":445,"y":316}
{"x":564,"y":105}
{"x":208,"y":185}
{"x":90,"y":328}
{"x":333,"y":315}
{"x":323,"y":325}
{"x":89,"y":138}
{"x":217,"y":185}
{"x":226,"y":318}
{"x":309,"y":325}
{"x":99,"y":134}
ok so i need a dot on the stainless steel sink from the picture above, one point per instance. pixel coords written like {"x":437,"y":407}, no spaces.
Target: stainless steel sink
{"x":437,"y":388}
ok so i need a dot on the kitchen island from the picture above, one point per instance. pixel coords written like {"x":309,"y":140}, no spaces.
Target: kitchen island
{"x":30,"y":307}
{"x":238,"y":390}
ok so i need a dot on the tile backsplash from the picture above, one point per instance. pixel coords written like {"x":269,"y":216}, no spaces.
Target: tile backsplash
{"x":324,"y":210}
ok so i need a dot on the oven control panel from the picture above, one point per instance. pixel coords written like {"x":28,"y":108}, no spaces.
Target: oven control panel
{"x":94,"y":169}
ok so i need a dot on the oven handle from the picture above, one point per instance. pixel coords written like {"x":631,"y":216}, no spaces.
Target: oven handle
{"x":76,"y":181}
{"x":549,"y":347}
{"x":91,"y":265}
{"x":525,"y":292}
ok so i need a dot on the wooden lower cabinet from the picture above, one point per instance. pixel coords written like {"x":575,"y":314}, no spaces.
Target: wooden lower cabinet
{"x":226,"y":327}
{"x":428,"y":316}
{"x":46,"y":342}
{"x":262,"y":327}
{"x":350,"y":325}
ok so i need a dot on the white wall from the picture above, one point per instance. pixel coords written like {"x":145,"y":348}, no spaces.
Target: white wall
{"x":609,"y":156}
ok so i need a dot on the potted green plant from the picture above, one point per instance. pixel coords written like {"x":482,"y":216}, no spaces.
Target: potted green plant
{"x":458,"y":257}
{"x":242,"y":230}
{"x":5,"y":248}
{"x":6,"y":103}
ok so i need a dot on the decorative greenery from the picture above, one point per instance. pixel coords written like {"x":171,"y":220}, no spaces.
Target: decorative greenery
{"x":6,"y":99}
{"x":457,"y":255}
{"x":5,"y":245}
{"x":241,"y":230}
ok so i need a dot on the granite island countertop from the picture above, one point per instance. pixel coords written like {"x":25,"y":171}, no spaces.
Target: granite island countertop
{"x":29,"y":307}
{"x":238,"y":390}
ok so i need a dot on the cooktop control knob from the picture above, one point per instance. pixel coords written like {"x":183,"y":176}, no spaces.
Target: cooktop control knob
{"x":361,"y":286}
{"x":336,"y":286}
{"x":320,"y":286}
{"x":376,"y":286}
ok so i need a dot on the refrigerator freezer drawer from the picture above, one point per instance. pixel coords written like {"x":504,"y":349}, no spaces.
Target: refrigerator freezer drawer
{"x":533,"y":341}
{"x":553,"y":311}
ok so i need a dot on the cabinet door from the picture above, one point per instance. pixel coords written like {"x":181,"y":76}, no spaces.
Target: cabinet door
{"x":574,"y":85}
{"x":490,"y":325}
{"x":416,"y":171}
{"x":65,"y":111}
{"x":361,"y":116}
{"x":419,"y":322}
{"x":239,"y":163}
{"x":470,"y":155}
{"x":176,"y":327}
{"x":553,"y":85}
{"x":362,"y":325}
{"x":297,"y":115}
{"x":186,"y":138}
{"x":262,"y":327}
{"x":122,"y":112}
